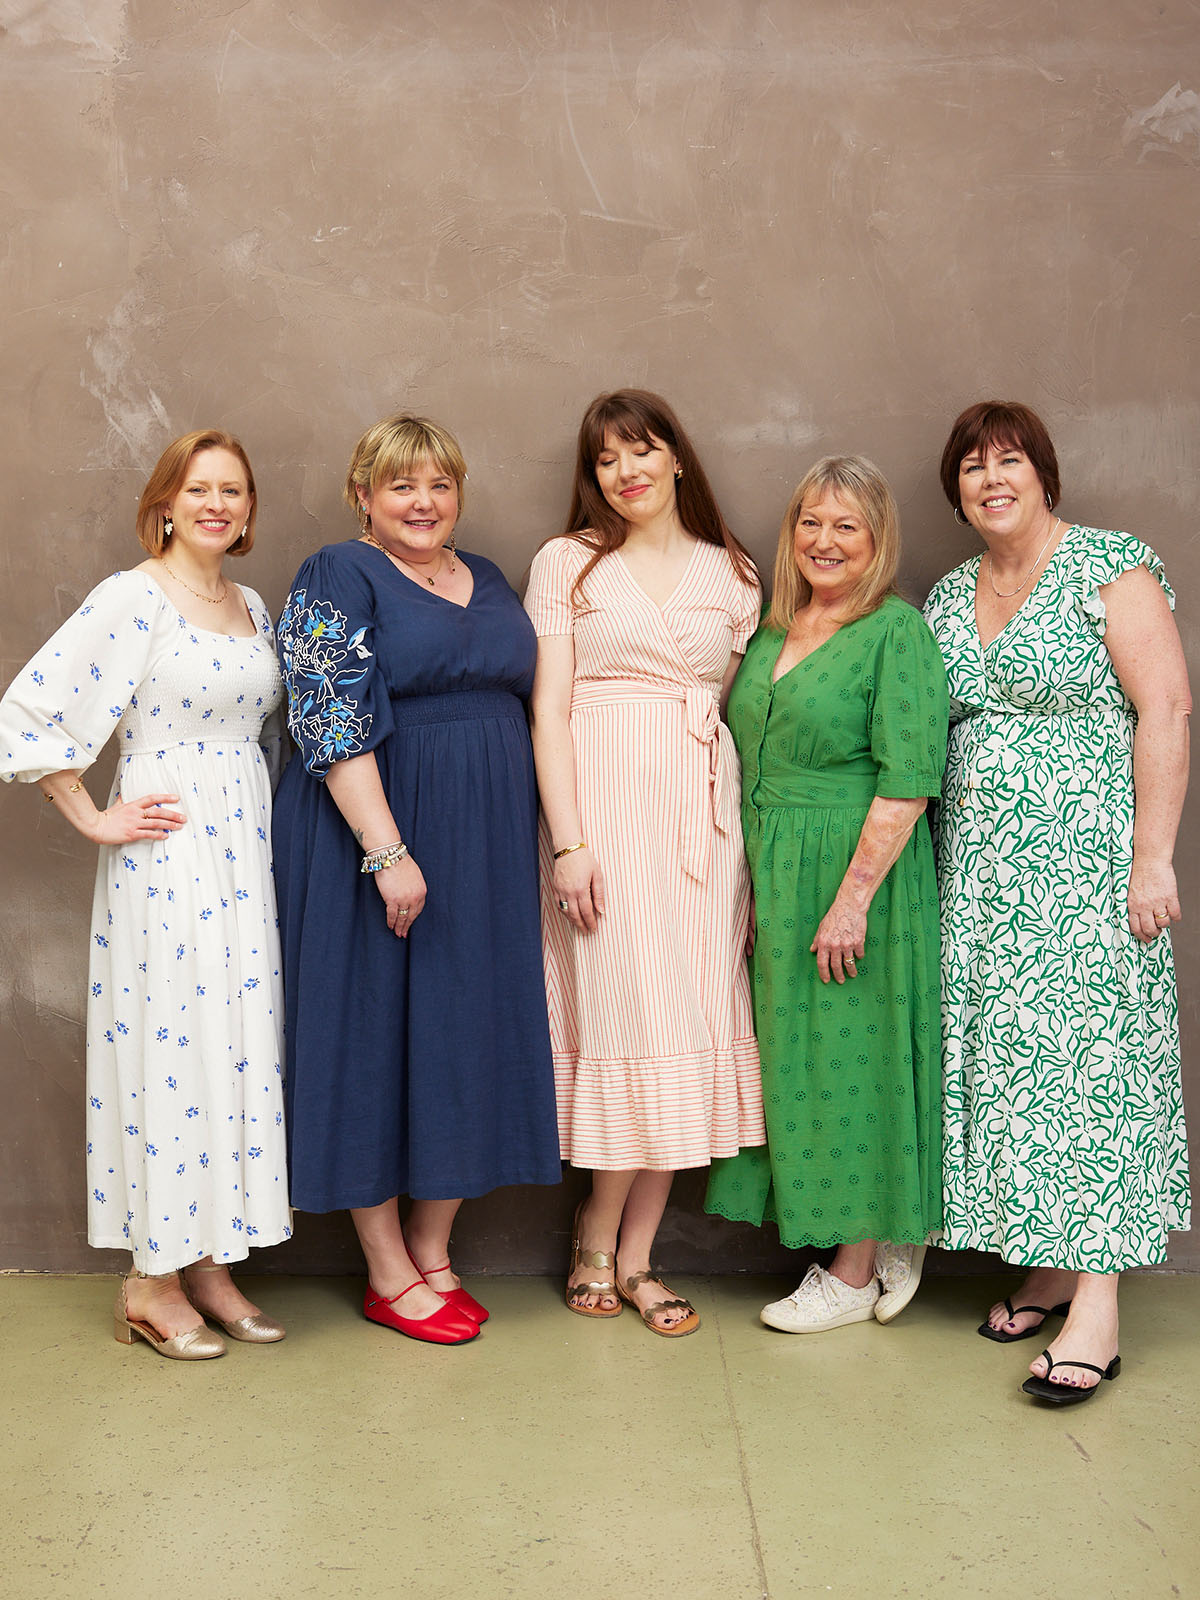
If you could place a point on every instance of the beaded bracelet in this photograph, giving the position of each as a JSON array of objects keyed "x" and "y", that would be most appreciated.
[
  {"x": 387, "y": 855},
  {"x": 570, "y": 849}
]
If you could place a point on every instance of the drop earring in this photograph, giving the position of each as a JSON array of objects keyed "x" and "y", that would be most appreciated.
[
  {"x": 168, "y": 526},
  {"x": 678, "y": 470},
  {"x": 453, "y": 551}
]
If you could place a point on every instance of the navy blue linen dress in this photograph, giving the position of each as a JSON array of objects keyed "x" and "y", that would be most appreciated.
[{"x": 415, "y": 1066}]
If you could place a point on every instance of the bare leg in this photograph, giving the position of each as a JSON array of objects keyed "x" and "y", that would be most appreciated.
[
  {"x": 599, "y": 1224},
  {"x": 216, "y": 1293},
  {"x": 854, "y": 1264},
  {"x": 648, "y": 1196},
  {"x": 427, "y": 1235},
  {"x": 1089, "y": 1333},
  {"x": 161, "y": 1302},
  {"x": 1044, "y": 1286},
  {"x": 390, "y": 1268}
]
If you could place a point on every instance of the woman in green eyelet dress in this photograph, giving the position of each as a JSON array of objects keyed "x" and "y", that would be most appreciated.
[
  {"x": 1065, "y": 1145},
  {"x": 839, "y": 714}
]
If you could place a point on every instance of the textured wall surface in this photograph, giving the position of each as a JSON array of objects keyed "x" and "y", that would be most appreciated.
[{"x": 814, "y": 226}]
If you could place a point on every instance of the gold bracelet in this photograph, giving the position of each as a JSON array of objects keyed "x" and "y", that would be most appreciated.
[
  {"x": 569, "y": 849},
  {"x": 72, "y": 791}
]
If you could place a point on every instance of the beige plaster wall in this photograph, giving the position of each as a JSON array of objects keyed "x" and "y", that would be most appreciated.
[{"x": 814, "y": 226}]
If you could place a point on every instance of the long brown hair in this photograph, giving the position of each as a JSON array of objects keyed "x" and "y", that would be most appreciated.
[
  {"x": 859, "y": 481},
  {"x": 170, "y": 474},
  {"x": 638, "y": 415}
]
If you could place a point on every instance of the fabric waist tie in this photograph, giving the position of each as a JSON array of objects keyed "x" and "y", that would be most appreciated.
[
  {"x": 809, "y": 786},
  {"x": 456, "y": 705},
  {"x": 712, "y": 744}
]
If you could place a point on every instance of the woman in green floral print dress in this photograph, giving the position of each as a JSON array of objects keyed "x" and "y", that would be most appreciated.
[
  {"x": 839, "y": 715},
  {"x": 1064, "y": 1140}
]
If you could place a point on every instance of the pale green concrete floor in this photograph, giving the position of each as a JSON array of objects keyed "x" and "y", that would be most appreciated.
[{"x": 558, "y": 1457}]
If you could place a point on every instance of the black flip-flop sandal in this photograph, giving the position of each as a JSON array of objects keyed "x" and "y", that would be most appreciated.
[
  {"x": 988, "y": 1332},
  {"x": 1064, "y": 1394}
]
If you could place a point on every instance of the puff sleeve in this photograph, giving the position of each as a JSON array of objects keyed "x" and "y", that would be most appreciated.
[{"x": 63, "y": 707}]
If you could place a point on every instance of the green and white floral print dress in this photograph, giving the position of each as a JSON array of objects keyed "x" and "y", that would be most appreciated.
[{"x": 1064, "y": 1141}]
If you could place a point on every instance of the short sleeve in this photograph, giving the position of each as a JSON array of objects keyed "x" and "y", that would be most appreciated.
[
  {"x": 747, "y": 614},
  {"x": 910, "y": 712},
  {"x": 551, "y": 579},
  {"x": 63, "y": 707},
  {"x": 337, "y": 698},
  {"x": 1105, "y": 556}
]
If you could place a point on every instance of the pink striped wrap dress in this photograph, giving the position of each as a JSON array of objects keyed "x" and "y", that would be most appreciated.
[{"x": 651, "y": 1020}]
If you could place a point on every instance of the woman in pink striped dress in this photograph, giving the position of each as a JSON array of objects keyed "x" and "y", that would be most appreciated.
[{"x": 642, "y": 608}]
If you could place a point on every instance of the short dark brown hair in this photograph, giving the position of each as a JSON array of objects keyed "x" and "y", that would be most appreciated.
[
  {"x": 170, "y": 475},
  {"x": 1000, "y": 423}
]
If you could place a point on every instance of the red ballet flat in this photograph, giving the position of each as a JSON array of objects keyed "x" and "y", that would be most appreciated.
[
  {"x": 458, "y": 1298},
  {"x": 447, "y": 1326}
]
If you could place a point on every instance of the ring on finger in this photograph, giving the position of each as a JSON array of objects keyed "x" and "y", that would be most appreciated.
[
  {"x": 403, "y": 911},
  {"x": 562, "y": 906}
]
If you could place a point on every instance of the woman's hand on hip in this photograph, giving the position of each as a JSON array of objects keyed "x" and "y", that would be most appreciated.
[
  {"x": 579, "y": 889},
  {"x": 403, "y": 890},
  {"x": 1153, "y": 899},
  {"x": 131, "y": 821},
  {"x": 840, "y": 941}
]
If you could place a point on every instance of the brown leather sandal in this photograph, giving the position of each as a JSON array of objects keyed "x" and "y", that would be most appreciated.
[
  {"x": 689, "y": 1324},
  {"x": 595, "y": 1261}
]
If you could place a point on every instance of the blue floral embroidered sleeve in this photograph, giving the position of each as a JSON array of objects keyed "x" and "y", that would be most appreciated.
[{"x": 337, "y": 702}]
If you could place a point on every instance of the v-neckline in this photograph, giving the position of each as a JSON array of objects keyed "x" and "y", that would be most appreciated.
[
  {"x": 426, "y": 588},
  {"x": 683, "y": 577},
  {"x": 984, "y": 648}
]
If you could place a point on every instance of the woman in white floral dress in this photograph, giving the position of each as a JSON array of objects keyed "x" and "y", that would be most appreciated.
[
  {"x": 1064, "y": 1140},
  {"x": 186, "y": 1159}
]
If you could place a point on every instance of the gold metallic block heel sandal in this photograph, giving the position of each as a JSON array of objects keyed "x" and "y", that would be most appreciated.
[{"x": 197, "y": 1344}]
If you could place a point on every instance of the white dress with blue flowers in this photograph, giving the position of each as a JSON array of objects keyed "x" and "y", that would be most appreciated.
[{"x": 184, "y": 1052}]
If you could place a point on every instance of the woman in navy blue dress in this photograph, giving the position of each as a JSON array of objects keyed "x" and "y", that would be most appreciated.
[{"x": 405, "y": 838}]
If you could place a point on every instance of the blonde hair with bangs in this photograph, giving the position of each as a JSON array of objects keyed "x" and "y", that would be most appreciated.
[
  {"x": 396, "y": 447},
  {"x": 860, "y": 483}
]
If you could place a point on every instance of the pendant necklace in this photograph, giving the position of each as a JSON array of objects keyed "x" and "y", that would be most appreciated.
[
  {"x": 371, "y": 539},
  {"x": 1007, "y": 594}
]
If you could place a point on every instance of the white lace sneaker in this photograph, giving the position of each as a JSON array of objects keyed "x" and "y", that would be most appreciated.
[
  {"x": 898, "y": 1268},
  {"x": 822, "y": 1301}
]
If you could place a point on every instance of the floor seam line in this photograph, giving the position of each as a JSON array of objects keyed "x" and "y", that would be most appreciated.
[{"x": 743, "y": 1473}]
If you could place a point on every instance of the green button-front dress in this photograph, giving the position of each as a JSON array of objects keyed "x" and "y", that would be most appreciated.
[{"x": 851, "y": 1072}]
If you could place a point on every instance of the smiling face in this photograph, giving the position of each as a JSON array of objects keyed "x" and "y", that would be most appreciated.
[
  {"x": 1001, "y": 494},
  {"x": 637, "y": 476},
  {"x": 212, "y": 504},
  {"x": 413, "y": 514},
  {"x": 832, "y": 545}
]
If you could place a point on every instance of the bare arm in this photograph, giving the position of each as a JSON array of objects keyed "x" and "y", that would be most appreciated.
[
  {"x": 577, "y": 877},
  {"x": 1143, "y": 642},
  {"x": 125, "y": 822},
  {"x": 735, "y": 662},
  {"x": 841, "y": 937},
  {"x": 357, "y": 791}
]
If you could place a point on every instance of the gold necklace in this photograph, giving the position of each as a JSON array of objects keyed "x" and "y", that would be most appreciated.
[
  {"x": 1007, "y": 594},
  {"x": 206, "y": 597},
  {"x": 371, "y": 539}
]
